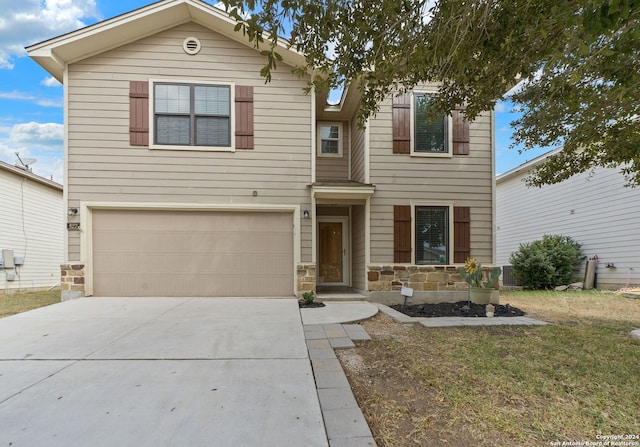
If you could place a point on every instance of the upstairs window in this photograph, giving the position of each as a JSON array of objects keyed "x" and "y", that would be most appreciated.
[
  {"x": 431, "y": 135},
  {"x": 192, "y": 114},
  {"x": 330, "y": 140}
]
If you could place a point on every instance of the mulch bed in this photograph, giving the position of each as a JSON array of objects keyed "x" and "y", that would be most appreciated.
[
  {"x": 302, "y": 305},
  {"x": 459, "y": 309}
]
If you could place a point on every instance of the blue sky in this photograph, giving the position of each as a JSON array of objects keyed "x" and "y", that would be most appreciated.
[{"x": 31, "y": 112}]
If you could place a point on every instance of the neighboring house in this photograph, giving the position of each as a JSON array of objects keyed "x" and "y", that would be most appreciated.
[
  {"x": 31, "y": 230},
  {"x": 195, "y": 178},
  {"x": 595, "y": 209}
]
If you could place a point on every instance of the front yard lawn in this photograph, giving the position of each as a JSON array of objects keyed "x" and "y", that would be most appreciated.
[
  {"x": 517, "y": 386},
  {"x": 21, "y": 302}
]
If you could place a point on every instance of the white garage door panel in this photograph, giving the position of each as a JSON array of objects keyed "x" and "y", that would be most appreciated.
[{"x": 179, "y": 253}]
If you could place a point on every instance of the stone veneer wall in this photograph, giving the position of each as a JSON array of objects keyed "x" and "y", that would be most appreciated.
[
  {"x": 431, "y": 284},
  {"x": 387, "y": 278},
  {"x": 306, "y": 279},
  {"x": 71, "y": 281}
]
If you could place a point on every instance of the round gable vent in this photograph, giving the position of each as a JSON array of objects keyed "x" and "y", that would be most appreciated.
[{"x": 191, "y": 45}]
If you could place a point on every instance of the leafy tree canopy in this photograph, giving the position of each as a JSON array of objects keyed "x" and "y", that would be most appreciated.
[{"x": 580, "y": 62}]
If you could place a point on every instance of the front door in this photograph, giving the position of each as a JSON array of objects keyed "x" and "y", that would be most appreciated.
[{"x": 332, "y": 251}]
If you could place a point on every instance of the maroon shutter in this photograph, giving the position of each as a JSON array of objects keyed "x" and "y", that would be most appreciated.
[
  {"x": 461, "y": 233},
  {"x": 402, "y": 234},
  {"x": 139, "y": 113},
  {"x": 402, "y": 124},
  {"x": 244, "y": 117},
  {"x": 460, "y": 131}
]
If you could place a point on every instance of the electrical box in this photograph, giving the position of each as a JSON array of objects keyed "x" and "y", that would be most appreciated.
[
  {"x": 18, "y": 260},
  {"x": 10, "y": 276},
  {"x": 7, "y": 259}
]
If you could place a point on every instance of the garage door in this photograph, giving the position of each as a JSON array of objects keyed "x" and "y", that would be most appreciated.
[{"x": 184, "y": 253}]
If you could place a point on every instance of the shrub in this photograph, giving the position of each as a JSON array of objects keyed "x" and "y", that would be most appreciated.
[
  {"x": 308, "y": 298},
  {"x": 546, "y": 263}
]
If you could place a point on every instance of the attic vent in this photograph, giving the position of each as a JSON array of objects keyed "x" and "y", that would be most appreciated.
[{"x": 191, "y": 45}]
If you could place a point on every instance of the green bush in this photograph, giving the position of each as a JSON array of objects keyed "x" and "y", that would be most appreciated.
[{"x": 546, "y": 263}]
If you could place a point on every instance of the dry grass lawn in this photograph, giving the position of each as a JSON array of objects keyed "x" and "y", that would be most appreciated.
[
  {"x": 516, "y": 386},
  {"x": 21, "y": 302}
]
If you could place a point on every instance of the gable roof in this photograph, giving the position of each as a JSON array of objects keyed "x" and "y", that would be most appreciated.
[
  {"x": 54, "y": 54},
  {"x": 29, "y": 175}
]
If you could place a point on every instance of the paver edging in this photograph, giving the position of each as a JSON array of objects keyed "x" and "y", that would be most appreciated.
[{"x": 459, "y": 321}]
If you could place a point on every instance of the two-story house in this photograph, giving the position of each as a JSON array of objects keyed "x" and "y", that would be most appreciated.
[{"x": 192, "y": 177}]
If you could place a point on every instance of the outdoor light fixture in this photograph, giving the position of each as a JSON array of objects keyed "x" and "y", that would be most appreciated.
[
  {"x": 305, "y": 214},
  {"x": 73, "y": 211}
]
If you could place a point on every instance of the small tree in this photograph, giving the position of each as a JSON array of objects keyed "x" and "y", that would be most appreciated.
[{"x": 546, "y": 263}]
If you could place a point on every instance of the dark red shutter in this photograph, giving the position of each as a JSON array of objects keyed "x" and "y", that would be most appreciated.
[
  {"x": 139, "y": 113},
  {"x": 244, "y": 117},
  {"x": 461, "y": 233},
  {"x": 460, "y": 131},
  {"x": 402, "y": 234},
  {"x": 402, "y": 124}
]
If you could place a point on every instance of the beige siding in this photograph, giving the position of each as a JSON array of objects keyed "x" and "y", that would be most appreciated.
[
  {"x": 335, "y": 168},
  {"x": 32, "y": 226},
  {"x": 400, "y": 179},
  {"x": 358, "y": 247},
  {"x": 596, "y": 210},
  {"x": 104, "y": 167},
  {"x": 357, "y": 151}
]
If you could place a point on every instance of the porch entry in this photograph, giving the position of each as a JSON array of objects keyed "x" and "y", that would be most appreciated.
[{"x": 333, "y": 258}]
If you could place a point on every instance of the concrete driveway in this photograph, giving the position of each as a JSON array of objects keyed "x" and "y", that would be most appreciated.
[{"x": 158, "y": 372}]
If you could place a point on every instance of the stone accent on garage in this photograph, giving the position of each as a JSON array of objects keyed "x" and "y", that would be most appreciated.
[
  {"x": 71, "y": 281},
  {"x": 306, "y": 278}
]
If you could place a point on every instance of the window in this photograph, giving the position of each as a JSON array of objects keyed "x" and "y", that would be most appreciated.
[
  {"x": 432, "y": 235},
  {"x": 430, "y": 134},
  {"x": 192, "y": 114},
  {"x": 330, "y": 140}
]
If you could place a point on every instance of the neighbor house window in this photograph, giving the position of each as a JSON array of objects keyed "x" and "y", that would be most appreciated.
[
  {"x": 432, "y": 235},
  {"x": 330, "y": 140},
  {"x": 192, "y": 114},
  {"x": 431, "y": 135}
]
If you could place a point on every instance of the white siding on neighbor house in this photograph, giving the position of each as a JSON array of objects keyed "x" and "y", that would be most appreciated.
[
  {"x": 464, "y": 180},
  {"x": 595, "y": 210},
  {"x": 31, "y": 226},
  {"x": 104, "y": 167}
]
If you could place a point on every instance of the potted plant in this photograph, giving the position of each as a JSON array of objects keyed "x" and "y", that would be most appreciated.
[{"x": 481, "y": 290}]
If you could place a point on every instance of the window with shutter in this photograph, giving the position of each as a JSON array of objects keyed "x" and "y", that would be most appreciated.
[
  {"x": 190, "y": 116},
  {"x": 418, "y": 133},
  {"x": 432, "y": 234}
]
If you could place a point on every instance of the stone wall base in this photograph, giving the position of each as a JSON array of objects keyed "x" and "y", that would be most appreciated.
[
  {"x": 430, "y": 284},
  {"x": 71, "y": 281},
  {"x": 306, "y": 278}
]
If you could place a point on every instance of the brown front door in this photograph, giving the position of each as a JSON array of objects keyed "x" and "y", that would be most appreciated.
[{"x": 330, "y": 254}]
